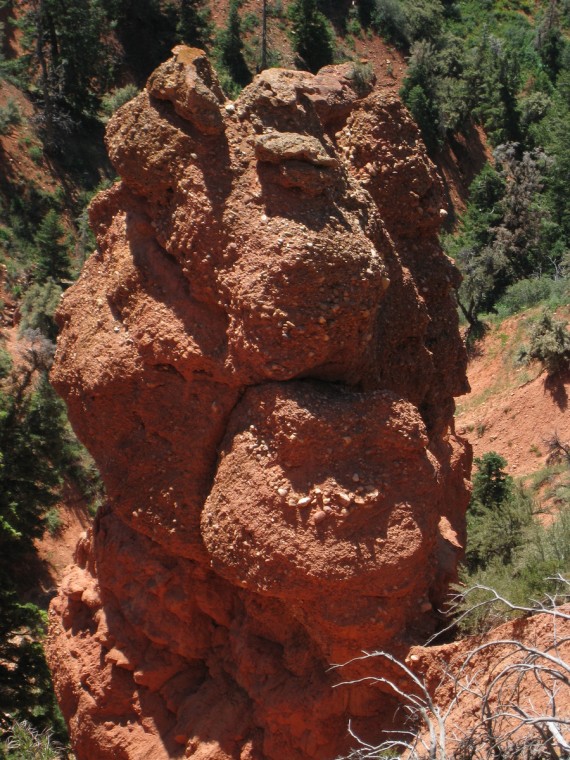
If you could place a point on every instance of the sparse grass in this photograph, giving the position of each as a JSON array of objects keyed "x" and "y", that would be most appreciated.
[
  {"x": 26, "y": 743},
  {"x": 524, "y": 378},
  {"x": 116, "y": 98},
  {"x": 511, "y": 345},
  {"x": 10, "y": 116},
  {"x": 36, "y": 154},
  {"x": 54, "y": 523},
  {"x": 547, "y": 475},
  {"x": 362, "y": 77},
  {"x": 250, "y": 22}
]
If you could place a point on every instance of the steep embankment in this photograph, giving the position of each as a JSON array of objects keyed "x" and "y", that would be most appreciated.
[
  {"x": 513, "y": 408},
  {"x": 262, "y": 358}
]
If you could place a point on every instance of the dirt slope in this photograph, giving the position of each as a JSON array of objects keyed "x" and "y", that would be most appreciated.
[{"x": 512, "y": 409}]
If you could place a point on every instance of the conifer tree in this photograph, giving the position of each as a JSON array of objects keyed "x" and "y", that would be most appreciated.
[
  {"x": 194, "y": 25},
  {"x": 549, "y": 41},
  {"x": 35, "y": 449},
  {"x": 231, "y": 47},
  {"x": 67, "y": 39},
  {"x": 311, "y": 33},
  {"x": 53, "y": 258}
]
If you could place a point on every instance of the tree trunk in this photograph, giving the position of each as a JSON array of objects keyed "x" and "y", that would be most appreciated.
[
  {"x": 264, "y": 36},
  {"x": 48, "y": 105}
]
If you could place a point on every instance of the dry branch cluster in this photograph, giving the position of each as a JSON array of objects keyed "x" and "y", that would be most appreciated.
[{"x": 513, "y": 698}]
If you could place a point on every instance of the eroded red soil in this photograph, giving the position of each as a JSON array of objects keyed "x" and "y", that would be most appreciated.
[{"x": 513, "y": 409}]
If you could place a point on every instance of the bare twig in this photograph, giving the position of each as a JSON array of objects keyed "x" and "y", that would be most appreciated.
[{"x": 509, "y": 721}]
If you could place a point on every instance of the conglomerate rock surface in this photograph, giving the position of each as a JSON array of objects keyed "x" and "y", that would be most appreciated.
[{"x": 262, "y": 357}]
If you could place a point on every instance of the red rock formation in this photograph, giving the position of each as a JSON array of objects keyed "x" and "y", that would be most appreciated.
[{"x": 262, "y": 358}]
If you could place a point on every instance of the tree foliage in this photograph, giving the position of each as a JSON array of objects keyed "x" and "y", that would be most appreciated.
[
  {"x": 71, "y": 61},
  {"x": 509, "y": 548},
  {"x": 405, "y": 21},
  {"x": 35, "y": 449},
  {"x": 506, "y": 234},
  {"x": 497, "y": 515},
  {"x": 420, "y": 92},
  {"x": 194, "y": 26},
  {"x": 53, "y": 255},
  {"x": 549, "y": 40},
  {"x": 230, "y": 47},
  {"x": 550, "y": 344},
  {"x": 311, "y": 33}
]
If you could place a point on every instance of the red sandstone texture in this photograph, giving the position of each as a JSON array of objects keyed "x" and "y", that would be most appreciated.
[{"x": 262, "y": 357}]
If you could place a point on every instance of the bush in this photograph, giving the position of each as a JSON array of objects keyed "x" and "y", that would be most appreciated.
[
  {"x": 523, "y": 295},
  {"x": 362, "y": 77},
  {"x": 5, "y": 363},
  {"x": 491, "y": 685},
  {"x": 116, "y": 98},
  {"x": 419, "y": 93},
  {"x": 550, "y": 344},
  {"x": 405, "y": 21},
  {"x": 36, "y": 153},
  {"x": 496, "y": 531},
  {"x": 389, "y": 18},
  {"x": 37, "y": 451},
  {"x": 54, "y": 522},
  {"x": 544, "y": 554},
  {"x": 26, "y": 743},
  {"x": 38, "y": 308},
  {"x": 353, "y": 22},
  {"x": 10, "y": 116},
  {"x": 508, "y": 549}
]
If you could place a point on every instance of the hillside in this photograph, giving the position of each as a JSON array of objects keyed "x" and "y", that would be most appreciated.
[{"x": 513, "y": 408}]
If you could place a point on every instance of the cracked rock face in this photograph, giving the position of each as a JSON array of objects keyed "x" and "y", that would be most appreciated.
[{"x": 262, "y": 358}]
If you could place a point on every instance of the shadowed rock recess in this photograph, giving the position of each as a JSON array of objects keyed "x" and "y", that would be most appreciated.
[{"x": 262, "y": 357}]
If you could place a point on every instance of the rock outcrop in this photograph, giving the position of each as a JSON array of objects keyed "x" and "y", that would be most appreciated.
[{"x": 262, "y": 357}]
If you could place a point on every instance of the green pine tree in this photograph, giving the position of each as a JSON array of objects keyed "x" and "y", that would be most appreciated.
[
  {"x": 230, "y": 45},
  {"x": 312, "y": 37},
  {"x": 34, "y": 450},
  {"x": 194, "y": 26},
  {"x": 53, "y": 257}
]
